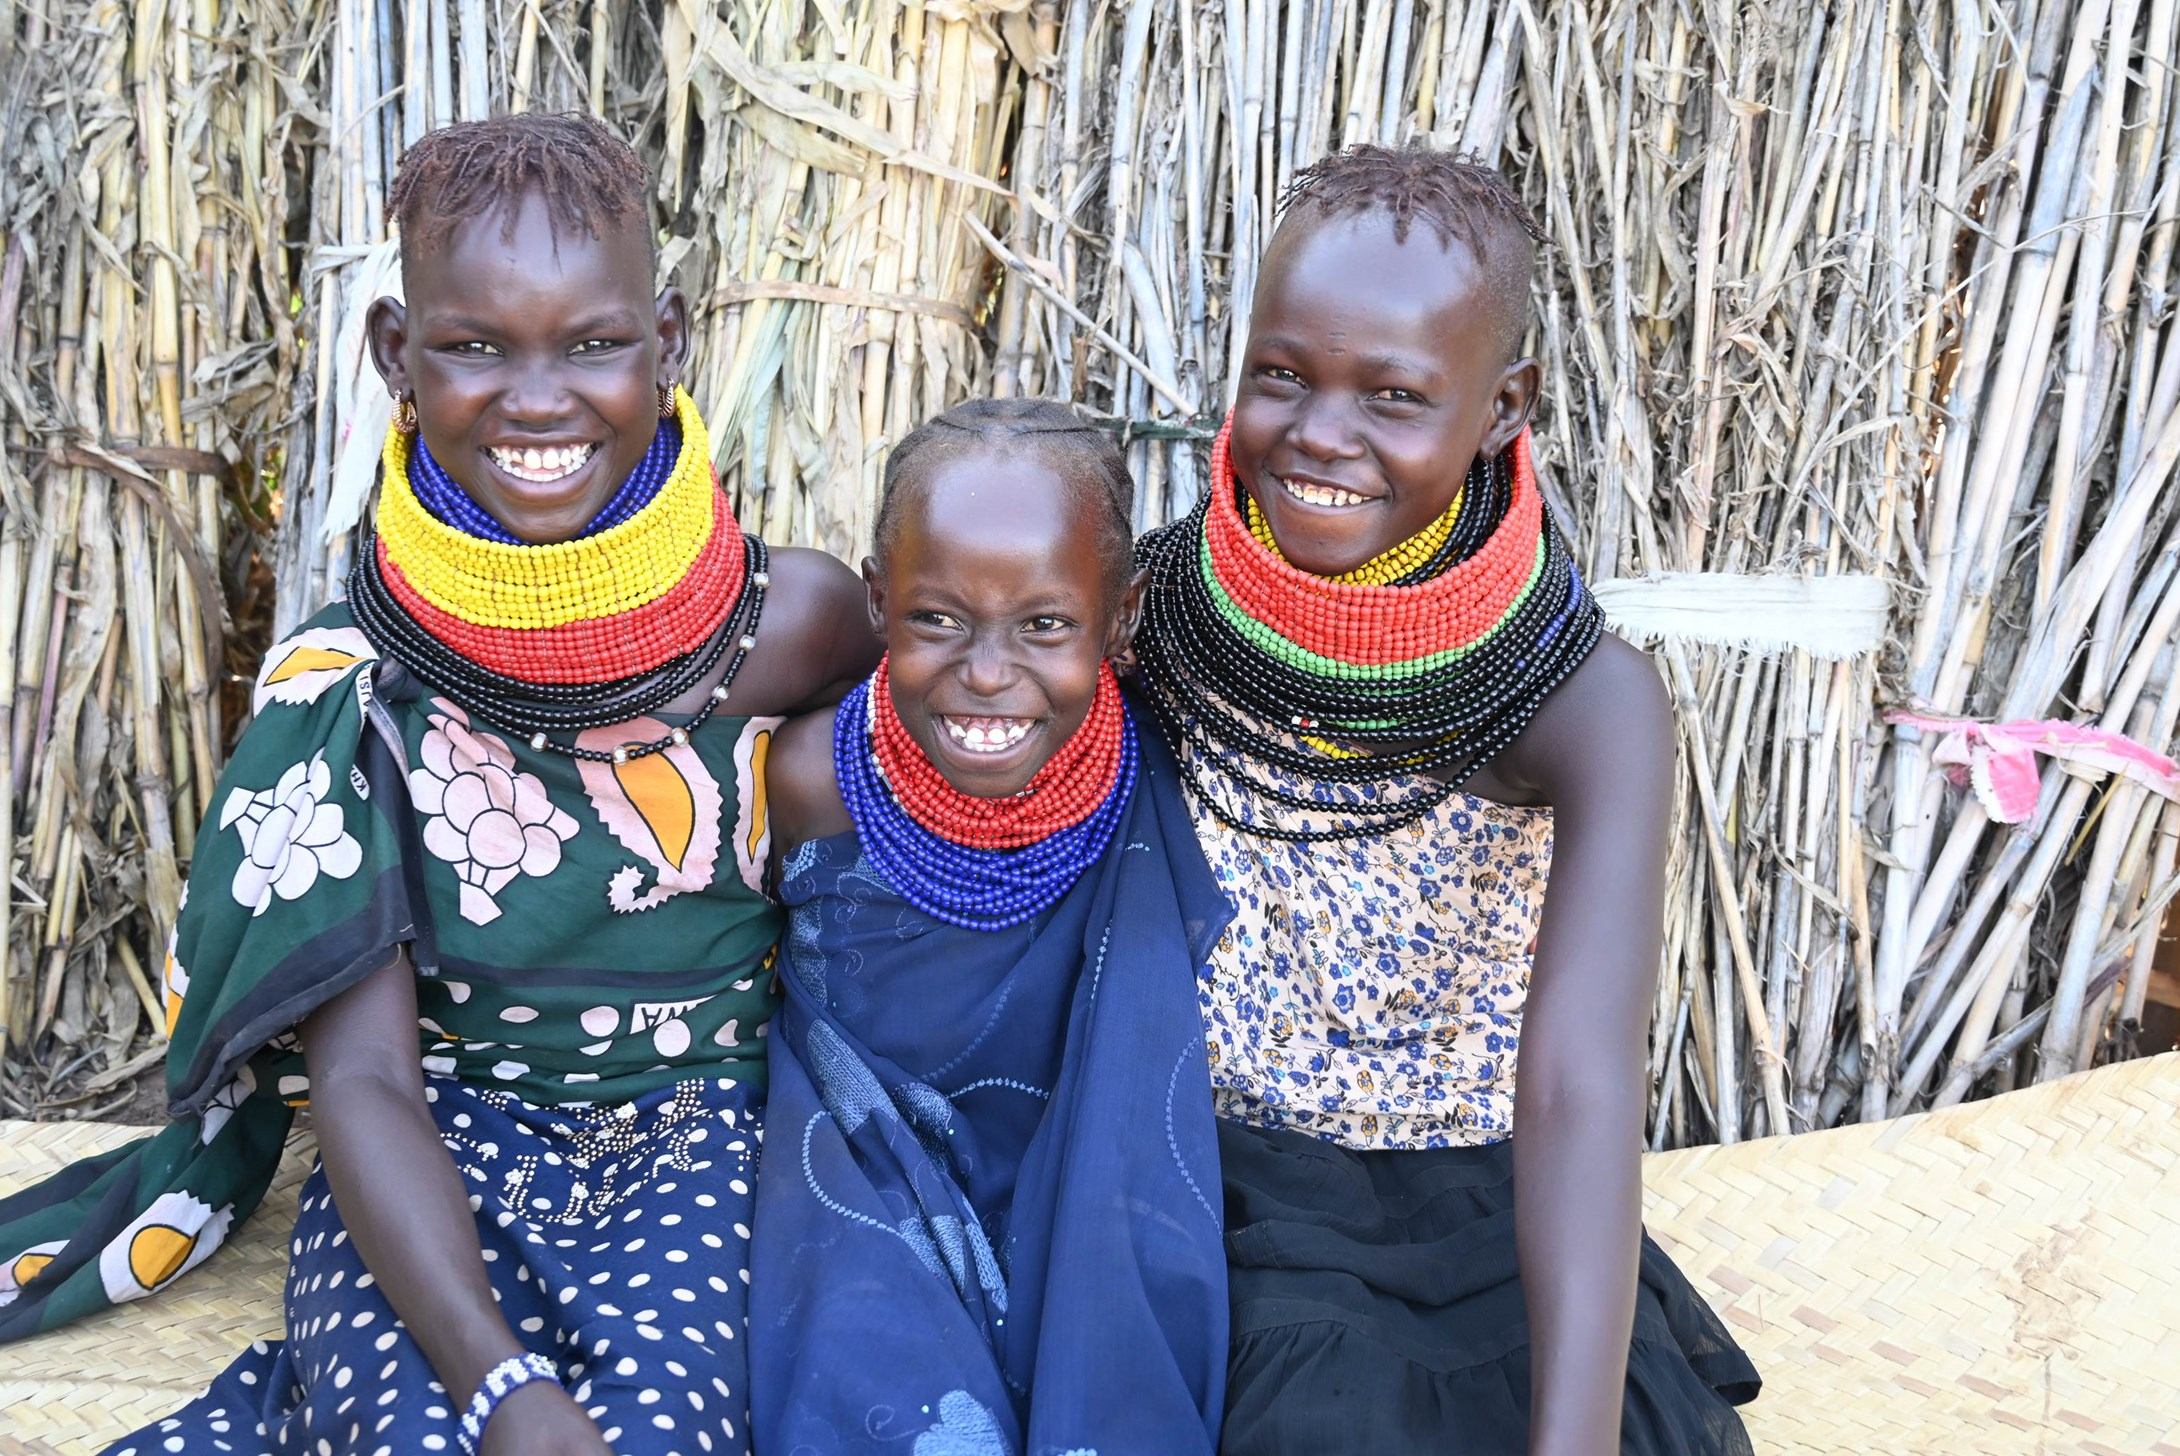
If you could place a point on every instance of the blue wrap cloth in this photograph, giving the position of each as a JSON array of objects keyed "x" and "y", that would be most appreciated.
[{"x": 988, "y": 1222}]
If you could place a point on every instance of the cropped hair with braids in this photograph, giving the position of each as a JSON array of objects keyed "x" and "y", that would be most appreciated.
[
  {"x": 1080, "y": 453},
  {"x": 1466, "y": 200},
  {"x": 588, "y": 178}
]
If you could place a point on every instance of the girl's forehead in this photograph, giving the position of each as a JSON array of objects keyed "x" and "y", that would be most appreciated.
[
  {"x": 975, "y": 506},
  {"x": 527, "y": 238},
  {"x": 1353, "y": 274},
  {"x": 1359, "y": 262},
  {"x": 983, "y": 494}
]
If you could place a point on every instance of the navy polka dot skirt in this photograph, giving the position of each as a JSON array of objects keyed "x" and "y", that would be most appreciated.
[{"x": 616, "y": 1239}]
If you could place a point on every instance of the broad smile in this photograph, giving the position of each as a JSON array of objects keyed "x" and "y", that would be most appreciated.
[
  {"x": 985, "y": 735},
  {"x": 1318, "y": 493},
  {"x": 541, "y": 465}
]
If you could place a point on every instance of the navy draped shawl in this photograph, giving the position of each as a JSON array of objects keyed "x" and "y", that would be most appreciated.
[{"x": 988, "y": 1222}]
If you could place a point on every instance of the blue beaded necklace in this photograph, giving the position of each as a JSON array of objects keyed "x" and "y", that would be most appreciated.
[
  {"x": 977, "y": 889},
  {"x": 443, "y": 496}
]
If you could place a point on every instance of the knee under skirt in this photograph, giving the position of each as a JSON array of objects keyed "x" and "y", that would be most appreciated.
[
  {"x": 1377, "y": 1307},
  {"x": 616, "y": 1239}
]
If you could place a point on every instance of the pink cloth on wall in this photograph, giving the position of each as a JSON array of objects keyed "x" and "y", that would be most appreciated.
[{"x": 1998, "y": 760}]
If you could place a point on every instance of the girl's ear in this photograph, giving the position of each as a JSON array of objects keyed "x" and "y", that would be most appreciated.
[
  {"x": 1511, "y": 405},
  {"x": 1127, "y": 617},
  {"x": 874, "y": 584},
  {"x": 672, "y": 318},
  {"x": 386, "y": 331}
]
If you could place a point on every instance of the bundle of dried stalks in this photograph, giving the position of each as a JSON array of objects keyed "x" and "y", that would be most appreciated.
[
  {"x": 147, "y": 355},
  {"x": 1836, "y": 288}
]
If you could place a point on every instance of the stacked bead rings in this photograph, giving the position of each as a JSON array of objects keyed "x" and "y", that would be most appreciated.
[
  {"x": 1364, "y": 688},
  {"x": 492, "y": 584},
  {"x": 984, "y": 864},
  {"x": 536, "y": 639},
  {"x": 443, "y": 496}
]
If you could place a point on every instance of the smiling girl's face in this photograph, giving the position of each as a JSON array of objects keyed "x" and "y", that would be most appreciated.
[
  {"x": 1374, "y": 376},
  {"x": 534, "y": 358},
  {"x": 997, "y": 604}
]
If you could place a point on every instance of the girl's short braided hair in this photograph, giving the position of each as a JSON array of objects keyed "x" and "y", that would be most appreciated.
[
  {"x": 587, "y": 176},
  {"x": 1086, "y": 457},
  {"x": 1466, "y": 200}
]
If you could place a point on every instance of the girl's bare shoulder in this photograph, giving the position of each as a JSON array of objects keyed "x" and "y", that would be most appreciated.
[
  {"x": 801, "y": 793},
  {"x": 814, "y": 640},
  {"x": 1606, "y": 730}
]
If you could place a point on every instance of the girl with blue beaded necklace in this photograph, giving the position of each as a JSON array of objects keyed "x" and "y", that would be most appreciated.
[{"x": 991, "y": 1145}]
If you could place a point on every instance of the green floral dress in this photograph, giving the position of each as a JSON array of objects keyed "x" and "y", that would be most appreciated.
[{"x": 594, "y": 981}]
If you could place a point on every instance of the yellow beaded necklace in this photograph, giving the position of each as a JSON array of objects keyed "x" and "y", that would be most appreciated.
[
  {"x": 1382, "y": 570},
  {"x": 496, "y": 585}
]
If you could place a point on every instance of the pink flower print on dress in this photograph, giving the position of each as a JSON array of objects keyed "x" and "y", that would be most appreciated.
[{"x": 485, "y": 817}]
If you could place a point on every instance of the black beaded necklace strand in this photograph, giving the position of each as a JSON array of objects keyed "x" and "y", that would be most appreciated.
[{"x": 531, "y": 710}]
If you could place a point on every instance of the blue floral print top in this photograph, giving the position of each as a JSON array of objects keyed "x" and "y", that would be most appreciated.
[{"x": 1370, "y": 991}]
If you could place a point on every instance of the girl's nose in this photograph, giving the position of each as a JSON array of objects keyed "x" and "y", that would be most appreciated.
[
  {"x": 986, "y": 669},
  {"x": 1324, "y": 428},
  {"x": 535, "y": 395}
]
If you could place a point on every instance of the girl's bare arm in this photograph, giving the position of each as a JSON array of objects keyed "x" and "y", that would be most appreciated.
[
  {"x": 403, "y": 1203},
  {"x": 1600, "y": 752}
]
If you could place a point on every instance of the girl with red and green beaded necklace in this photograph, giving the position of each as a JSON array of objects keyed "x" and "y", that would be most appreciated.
[
  {"x": 483, "y": 882},
  {"x": 1437, "y": 795}
]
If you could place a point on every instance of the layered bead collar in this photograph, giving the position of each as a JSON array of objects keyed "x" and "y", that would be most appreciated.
[
  {"x": 1390, "y": 690},
  {"x": 580, "y": 634},
  {"x": 984, "y": 864}
]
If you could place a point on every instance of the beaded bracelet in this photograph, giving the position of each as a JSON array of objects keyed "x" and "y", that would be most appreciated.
[{"x": 509, "y": 1375}]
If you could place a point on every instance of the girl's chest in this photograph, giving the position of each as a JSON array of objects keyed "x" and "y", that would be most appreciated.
[
  {"x": 1432, "y": 921},
  {"x": 535, "y": 858}
]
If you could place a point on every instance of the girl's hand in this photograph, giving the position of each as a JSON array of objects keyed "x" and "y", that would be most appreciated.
[{"x": 541, "y": 1419}]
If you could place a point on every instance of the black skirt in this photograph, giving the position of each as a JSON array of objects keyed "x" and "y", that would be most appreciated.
[{"x": 1377, "y": 1307}]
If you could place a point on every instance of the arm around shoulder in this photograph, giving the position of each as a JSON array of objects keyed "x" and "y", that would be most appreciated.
[{"x": 820, "y": 604}]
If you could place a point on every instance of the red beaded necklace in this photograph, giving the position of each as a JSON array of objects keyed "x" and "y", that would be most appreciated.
[
  {"x": 1065, "y": 792},
  {"x": 1376, "y": 625},
  {"x": 596, "y": 649}
]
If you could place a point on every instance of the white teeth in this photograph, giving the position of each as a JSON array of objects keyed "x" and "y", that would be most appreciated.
[
  {"x": 542, "y": 465},
  {"x": 990, "y": 735},
  {"x": 1320, "y": 495}
]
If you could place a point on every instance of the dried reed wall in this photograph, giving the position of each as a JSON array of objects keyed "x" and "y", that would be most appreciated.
[{"x": 1836, "y": 286}]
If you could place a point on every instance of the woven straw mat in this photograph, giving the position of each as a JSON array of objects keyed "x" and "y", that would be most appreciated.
[{"x": 1987, "y": 1280}]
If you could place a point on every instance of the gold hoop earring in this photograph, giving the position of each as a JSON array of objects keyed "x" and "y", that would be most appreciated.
[
  {"x": 404, "y": 414},
  {"x": 666, "y": 401}
]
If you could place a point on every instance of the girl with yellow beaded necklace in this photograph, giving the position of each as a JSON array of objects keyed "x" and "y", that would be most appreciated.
[{"x": 482, "y": 881}]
